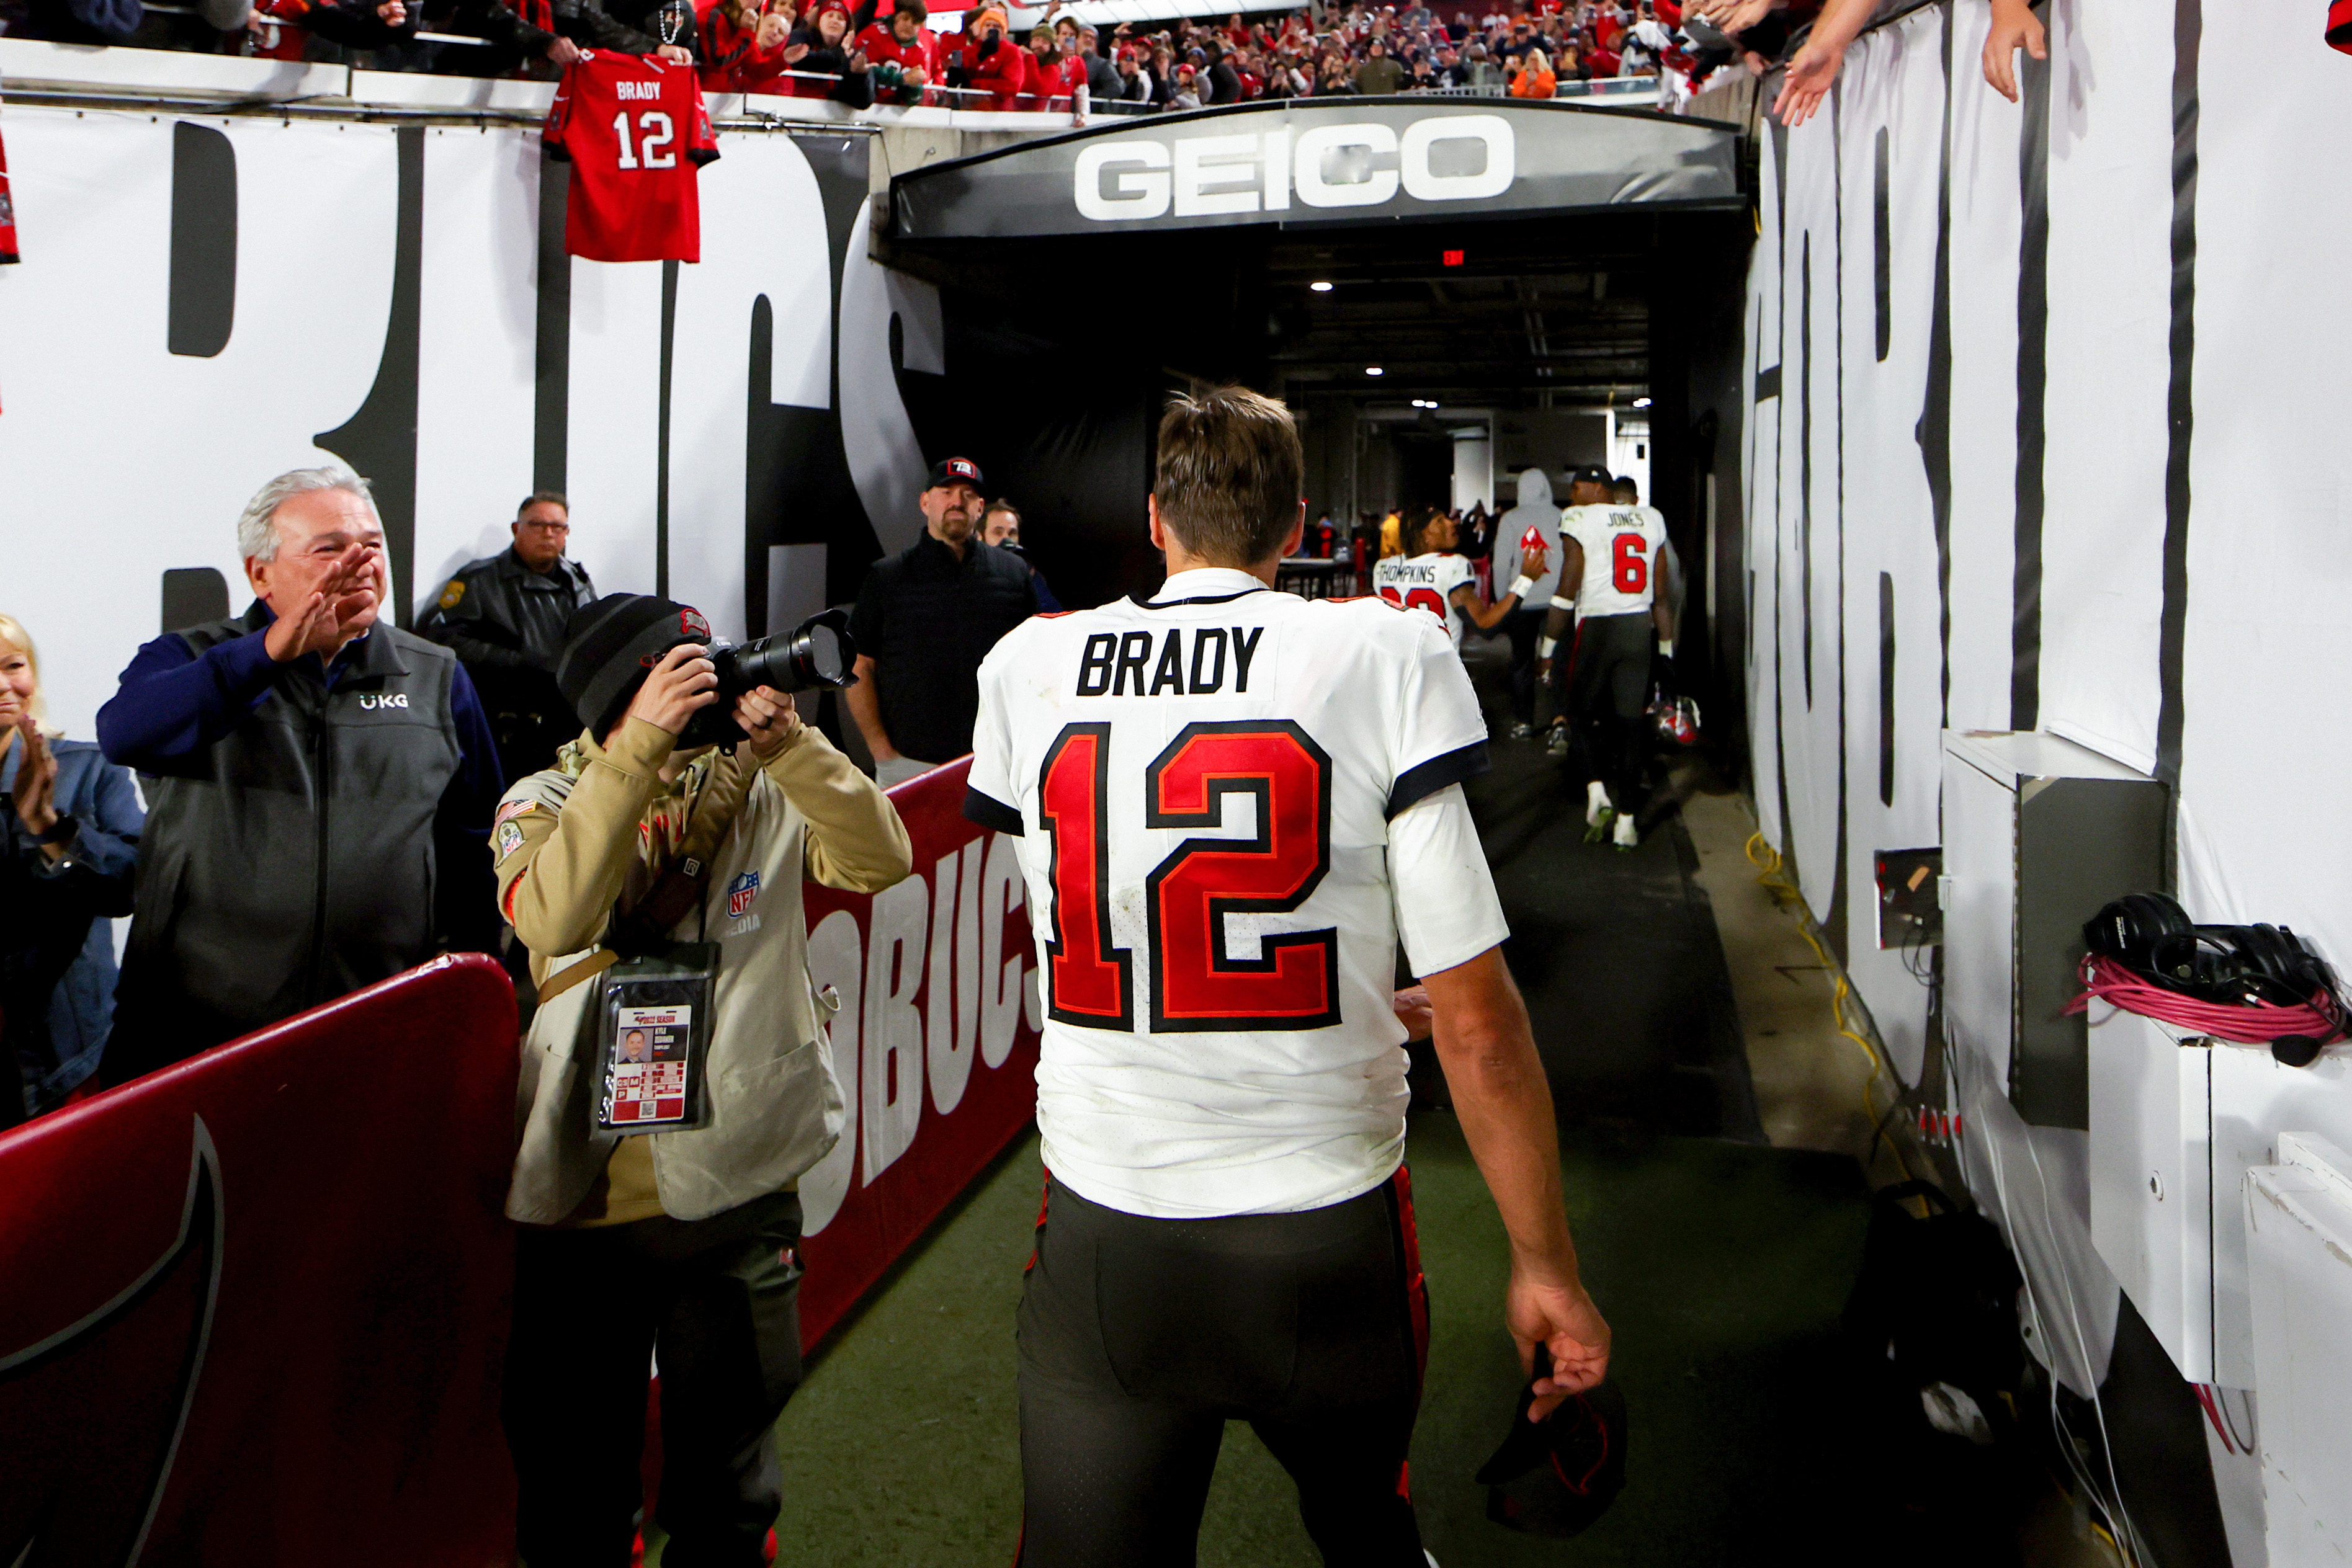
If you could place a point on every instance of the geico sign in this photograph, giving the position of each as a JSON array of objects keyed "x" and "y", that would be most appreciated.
[{"x": 1353, "y": 165}]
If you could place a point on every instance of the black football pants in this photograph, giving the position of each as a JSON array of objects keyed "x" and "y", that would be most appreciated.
[
  {"x": 1140, "y": 1338},
  {"x": 718, "y": 1299},
  {"x": 1606, "y": 682}
]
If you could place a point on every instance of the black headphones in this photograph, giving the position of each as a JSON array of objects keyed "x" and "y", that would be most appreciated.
[{"x": 2234, "y": 965}]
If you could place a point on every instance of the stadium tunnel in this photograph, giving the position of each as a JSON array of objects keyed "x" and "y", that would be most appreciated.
[{"x": 1564, "y": 289}]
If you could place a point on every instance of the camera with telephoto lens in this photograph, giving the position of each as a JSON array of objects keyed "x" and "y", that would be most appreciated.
[{"x": 816, "y": 654}]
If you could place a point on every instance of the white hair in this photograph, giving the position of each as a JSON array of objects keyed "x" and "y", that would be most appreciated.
[{"x": 256, "y": 526}]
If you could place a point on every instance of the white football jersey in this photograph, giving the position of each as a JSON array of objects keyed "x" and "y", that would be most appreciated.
[
  {"x": 1621, "y": 557},
  {"x": 1426, "y": 582},
  {"x": 1233, "y": 804}
]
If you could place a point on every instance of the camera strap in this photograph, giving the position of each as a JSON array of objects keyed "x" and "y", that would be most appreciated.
[{"x": 679, "y": 886}]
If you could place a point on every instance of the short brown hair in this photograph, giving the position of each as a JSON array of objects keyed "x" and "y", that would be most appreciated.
[
  {"x": 1230, "y": 474},
  {"x": 552, "y": 498}
]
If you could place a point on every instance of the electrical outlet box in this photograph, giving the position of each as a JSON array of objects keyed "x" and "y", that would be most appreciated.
[{"x": 1910, "y": 897}]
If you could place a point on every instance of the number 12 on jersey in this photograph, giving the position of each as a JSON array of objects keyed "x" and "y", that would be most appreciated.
[
  {"x": 1190, "y": 898},
  {"x": 659, "y": 132}
]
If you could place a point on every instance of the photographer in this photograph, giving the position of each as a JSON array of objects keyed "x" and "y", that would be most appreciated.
[{"x": 643, "y": 836}]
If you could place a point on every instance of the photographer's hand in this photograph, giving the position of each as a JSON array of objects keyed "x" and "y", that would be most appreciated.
[
  {"x": 767, "y": 718},
  {"x": 682, "y": 684}
]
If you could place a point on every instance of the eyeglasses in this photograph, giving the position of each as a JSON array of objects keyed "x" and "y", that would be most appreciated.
[{"x": 546, "y": 528}]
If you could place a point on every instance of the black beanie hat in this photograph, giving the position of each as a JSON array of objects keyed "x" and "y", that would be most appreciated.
[{"x": 609, "y": 645}]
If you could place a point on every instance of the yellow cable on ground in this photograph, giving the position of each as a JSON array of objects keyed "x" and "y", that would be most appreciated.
[{"x": 1784, "y": 892}]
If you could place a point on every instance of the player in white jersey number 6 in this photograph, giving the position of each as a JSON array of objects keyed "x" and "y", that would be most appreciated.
[{"x": 1232, "y": 805}]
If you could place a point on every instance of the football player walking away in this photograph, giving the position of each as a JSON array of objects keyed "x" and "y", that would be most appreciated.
[
  {"x": 1233, "y": 804},
  {"x": 1611, "y": 557},
  {"x": 1432, "y": 576}
]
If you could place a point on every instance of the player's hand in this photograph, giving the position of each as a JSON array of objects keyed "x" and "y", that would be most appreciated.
[
  {"x": 675, "y": 54},
  {"x": 1563, "y": 1320},
  {"x": 563, "y": 52},
  {"x": 1535, "y": 561},
  {"x": 683, "y": 684},
  {"x": 1413, "y": 1010},
  {"x": 37, "y": 777},
  {"x": 392, "y": 13},
  {"x": 1808, "y": 80},
  {"x": 2013, "y": 26},
  {"x": 767, "y": 717}
]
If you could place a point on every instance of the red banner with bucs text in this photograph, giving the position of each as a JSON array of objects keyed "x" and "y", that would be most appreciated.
[
  {"x": 253, "y": 1308},
  {"x": 935, "y": 1041}
]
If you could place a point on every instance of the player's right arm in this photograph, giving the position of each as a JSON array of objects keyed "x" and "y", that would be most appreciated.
[{"x": 1498, "y": 1088}]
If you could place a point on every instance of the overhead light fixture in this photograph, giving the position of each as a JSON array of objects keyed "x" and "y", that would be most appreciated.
[
  {"x": 1641, "y": 403},
  {"x": 1424, "y": 403},
  {"x": 1374, "y": 371},
  {"x": 1321, "y": 286}
]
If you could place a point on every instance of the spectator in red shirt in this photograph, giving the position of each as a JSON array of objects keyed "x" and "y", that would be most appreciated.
[
  {"x": 746, "y": 47},
  {"x": 826, "y": 35},
  {"x": 902, "y": 55},
  {"x": 986, "y": 59}
]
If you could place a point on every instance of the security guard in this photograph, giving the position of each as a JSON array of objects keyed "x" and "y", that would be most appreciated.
[{"x": 504, "y": 617}]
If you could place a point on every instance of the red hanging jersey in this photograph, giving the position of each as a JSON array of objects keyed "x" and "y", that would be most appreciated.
[
  {"x": 633, "y": 129},
  {"x": 7, "y": 212}
]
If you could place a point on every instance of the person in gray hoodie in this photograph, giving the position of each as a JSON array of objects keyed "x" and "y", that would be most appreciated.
[{"x": 1524, "y": 625}]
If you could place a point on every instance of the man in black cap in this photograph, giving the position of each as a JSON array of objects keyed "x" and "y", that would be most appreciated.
[{"x": 925, "y": 619}]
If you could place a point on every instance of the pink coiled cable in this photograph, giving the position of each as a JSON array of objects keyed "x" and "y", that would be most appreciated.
[{"x": 2251, "y": 1023}]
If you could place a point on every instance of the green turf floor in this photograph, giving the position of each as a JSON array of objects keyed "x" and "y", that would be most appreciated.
[{"x": 1721, "y": 1266}]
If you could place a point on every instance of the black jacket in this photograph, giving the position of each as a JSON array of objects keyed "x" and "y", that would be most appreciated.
[
  {"x": 293, "y": 858},
  {"x": 927, "y": 620},
  {"x": 505, "y": 623},
  {"x": 496, "y": 613}
]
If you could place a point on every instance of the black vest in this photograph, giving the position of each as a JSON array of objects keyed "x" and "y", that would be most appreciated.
[{"x": 291, "y": 861}]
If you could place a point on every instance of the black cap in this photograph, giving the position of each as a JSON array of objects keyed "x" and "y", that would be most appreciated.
[
  {"x": 1590, "y": 474},
  {"x": 955, "y": 471},
  {"x": 1556, "y": 1476},
  {"x": 609, "y": 645}
]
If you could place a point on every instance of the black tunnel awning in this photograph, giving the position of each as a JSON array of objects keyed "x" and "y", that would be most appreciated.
[{"x": 1320, "y": 162}]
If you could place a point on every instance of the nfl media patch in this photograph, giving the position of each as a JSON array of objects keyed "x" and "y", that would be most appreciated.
[
  {"x": 510, "y": 839},
  {"x": 454, "y": 593},
  {"x": 740, "y": 893}
]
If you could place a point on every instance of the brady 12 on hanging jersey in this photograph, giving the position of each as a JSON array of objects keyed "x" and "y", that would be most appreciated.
[
  {"x": 1233, "y": 804},
  {"x": 1426, "y": 582},
  {"x": 1621, "y": 544},
  {"x": 633, "y": 129}
]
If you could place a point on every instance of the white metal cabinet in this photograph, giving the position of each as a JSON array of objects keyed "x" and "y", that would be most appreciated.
[
  {"x": 2039, "y": 833},
  {"x": 2176, "y": 1121},
  {"x": 2298, "y": 1219},
  {"x": 2152, "y": 1179}
]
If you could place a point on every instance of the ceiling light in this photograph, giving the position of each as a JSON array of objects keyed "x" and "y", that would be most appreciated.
[
  {"x": 1373, "y": 371},
  {"x": 1641, "y": 403},
  {"x": 1319, "y": 286}
]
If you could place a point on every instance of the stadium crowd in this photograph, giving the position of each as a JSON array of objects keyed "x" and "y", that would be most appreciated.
[{"x": 860, "y": 54}]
